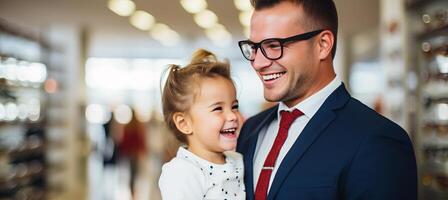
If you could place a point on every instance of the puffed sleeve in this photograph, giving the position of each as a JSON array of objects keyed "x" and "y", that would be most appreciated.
[{"x": 181, "y": 180}]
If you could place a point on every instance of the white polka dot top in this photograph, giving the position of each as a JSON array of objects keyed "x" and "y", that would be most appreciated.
[{"x": 189, "y": 177}]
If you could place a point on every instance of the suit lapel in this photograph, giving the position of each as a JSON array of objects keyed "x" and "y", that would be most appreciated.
[
  {"x": 252, "y": 143},
  {"x": 323, "y": 117}
]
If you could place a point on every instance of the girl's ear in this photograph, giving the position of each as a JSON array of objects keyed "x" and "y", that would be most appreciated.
[{"x": 183, "y": 123}]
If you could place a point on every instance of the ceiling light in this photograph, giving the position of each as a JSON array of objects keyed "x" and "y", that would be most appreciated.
[
  {"x": 97, "y": 114},
  {"x": 157, "y": 32},
  {"x": 219, "y": 35},
  {"x": 123, "y": 114},
  {"x": 243, "y": 5},
  {"x": 122, "y": 7},
  {"x": 165, "y": 35},
  {"x": 194, "y": 6},
  {"x": 142, "y": 20},
  {"x": 173, "y": 41},
  {"x": 247, "y": 31},
  {"x": 245, "y": 17},
  {"x": 216, "y": 32},
  {"x": 206, "y": 19}
]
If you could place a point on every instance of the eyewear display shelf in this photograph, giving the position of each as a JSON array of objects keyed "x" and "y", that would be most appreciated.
[
  {"x": 22, "y": 122},
  {"x": 428, "y": 50}
]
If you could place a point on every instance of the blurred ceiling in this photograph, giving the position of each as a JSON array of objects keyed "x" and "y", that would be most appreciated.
[{"x": 109, "y": 31}]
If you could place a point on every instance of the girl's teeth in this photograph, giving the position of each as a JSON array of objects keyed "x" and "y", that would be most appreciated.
[
  {"x": 229, "y": 130},
  {"x": 271, "y": 76}
]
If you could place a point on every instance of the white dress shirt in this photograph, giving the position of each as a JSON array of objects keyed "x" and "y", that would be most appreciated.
[
  {"x": 267, "y": 135},
  {"x": 189, "y": 177}
]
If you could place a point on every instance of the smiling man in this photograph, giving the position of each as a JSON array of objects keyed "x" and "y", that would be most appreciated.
[{"x": 319, "y": 142}]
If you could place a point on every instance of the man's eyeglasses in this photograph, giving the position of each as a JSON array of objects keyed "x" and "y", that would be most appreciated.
[{"x": 272, "y": 48}]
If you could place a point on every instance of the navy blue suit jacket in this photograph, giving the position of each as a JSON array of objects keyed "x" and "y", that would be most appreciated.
[{"x": 346, "y": 151}]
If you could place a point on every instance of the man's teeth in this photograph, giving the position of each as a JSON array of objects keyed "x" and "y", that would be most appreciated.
[{"x": 272, "y": 76}]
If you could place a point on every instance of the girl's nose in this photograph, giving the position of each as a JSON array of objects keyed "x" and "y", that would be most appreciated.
[{"x": 232, "y": 116}]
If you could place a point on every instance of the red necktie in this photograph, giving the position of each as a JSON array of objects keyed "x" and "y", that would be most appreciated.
[{"x": 286, "y": 120}]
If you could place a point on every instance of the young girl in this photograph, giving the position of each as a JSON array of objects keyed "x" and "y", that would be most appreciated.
[{"x": 200, "y": 107}]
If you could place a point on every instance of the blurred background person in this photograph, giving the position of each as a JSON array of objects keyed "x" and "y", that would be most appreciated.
[{"x": 132, "y": 149}]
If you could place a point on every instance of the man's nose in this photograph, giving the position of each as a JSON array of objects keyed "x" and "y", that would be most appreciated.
[{"x": 260, "y": 61}]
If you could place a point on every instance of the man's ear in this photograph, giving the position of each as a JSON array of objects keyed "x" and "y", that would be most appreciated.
[
  {"x": 183, "y": 123},
  {"x": 326, "y": 43}
]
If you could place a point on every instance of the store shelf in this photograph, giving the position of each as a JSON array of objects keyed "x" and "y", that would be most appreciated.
[
  {"x": 442, "y": 128},
  {"x": 436, "y": 77},
  {"x": 23, "y": 151},
  {"x": 437, "y": 100},
  {"x": 417, "y": 4},
  {"x": 428, "y": 52},
  {"x": 12, "y": 29},
  {"x": 439, "y": 31}
]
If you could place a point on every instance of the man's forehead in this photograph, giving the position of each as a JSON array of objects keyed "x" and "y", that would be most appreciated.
[{"x": 267, "y": 24}]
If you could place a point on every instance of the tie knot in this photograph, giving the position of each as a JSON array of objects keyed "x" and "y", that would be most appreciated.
[{"x": 288, "y": 117}]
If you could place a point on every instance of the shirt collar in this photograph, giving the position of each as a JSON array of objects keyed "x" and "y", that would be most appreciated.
[
  {"x": 310, "y": 105},
  {"x": 184, "y": 153}
]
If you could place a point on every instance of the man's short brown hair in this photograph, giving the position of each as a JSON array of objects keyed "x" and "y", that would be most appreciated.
[{"x": 322, "y": 13}]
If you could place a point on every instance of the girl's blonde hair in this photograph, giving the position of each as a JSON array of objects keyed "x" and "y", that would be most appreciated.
[{"x": 181, "y": 85}]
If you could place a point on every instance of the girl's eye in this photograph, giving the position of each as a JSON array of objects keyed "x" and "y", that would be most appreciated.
[
  {"x": 235, "y": 106},
  {"x": 217, "y": 109}
]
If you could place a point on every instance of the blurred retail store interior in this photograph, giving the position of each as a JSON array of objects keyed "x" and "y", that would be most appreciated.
[{"x": 80, "y": 108}]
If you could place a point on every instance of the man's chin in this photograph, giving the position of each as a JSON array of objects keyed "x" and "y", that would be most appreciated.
[{"x": 271, "y": 96}]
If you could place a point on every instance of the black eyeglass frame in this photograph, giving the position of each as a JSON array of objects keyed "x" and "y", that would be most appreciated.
[{"x": 282, "y": 41}]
